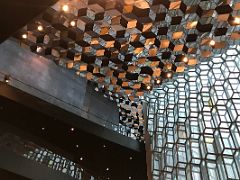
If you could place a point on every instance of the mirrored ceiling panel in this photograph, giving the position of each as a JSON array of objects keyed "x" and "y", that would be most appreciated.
[{"x": 130, "y": 46}]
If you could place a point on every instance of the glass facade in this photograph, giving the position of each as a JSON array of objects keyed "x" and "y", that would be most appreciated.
[
  {"x": 194, "y": 122},
  {"x": 129, "y": 47}
]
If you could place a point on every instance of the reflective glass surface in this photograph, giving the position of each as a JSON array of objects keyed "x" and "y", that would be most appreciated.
[{"x": 194, "y": 122}]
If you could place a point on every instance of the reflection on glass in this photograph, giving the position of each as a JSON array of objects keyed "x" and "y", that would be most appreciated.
[{"x": 195, "y": 122}]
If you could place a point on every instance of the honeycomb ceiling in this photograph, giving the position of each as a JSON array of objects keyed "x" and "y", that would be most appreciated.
[{"x": 129, "y": 46}]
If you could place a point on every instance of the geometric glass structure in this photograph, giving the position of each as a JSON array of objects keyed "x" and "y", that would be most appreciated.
[
  {"x": 194, "y": 122},
  {"x": 129, "y": 47}
]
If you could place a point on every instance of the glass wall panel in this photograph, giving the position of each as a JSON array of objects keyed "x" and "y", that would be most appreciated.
[{"x": 194, "y": 122}]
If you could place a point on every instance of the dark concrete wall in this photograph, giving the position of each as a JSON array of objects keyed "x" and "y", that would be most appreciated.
[
  {"x": 5, "y": 174},
  {"x": 44, "y": 79}
]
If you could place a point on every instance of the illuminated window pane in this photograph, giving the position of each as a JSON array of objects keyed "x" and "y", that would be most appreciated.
[{"x": 198, "y": 115}]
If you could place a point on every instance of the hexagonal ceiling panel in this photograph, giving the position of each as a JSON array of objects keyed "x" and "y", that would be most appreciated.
[{"x": 128, "y": 46}]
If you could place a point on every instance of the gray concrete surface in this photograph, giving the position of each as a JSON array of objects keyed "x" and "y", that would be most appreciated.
[{"x": 42, "y": 78}]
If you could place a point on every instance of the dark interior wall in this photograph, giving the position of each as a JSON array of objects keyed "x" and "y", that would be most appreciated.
[
  {"x": 56, "y": 114},
  {"x": 57, "y": 85},
  {"x": 101, "y": 106},
  {"x": 57, "y": 137},
  {"x": 7, "y": 175}
]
